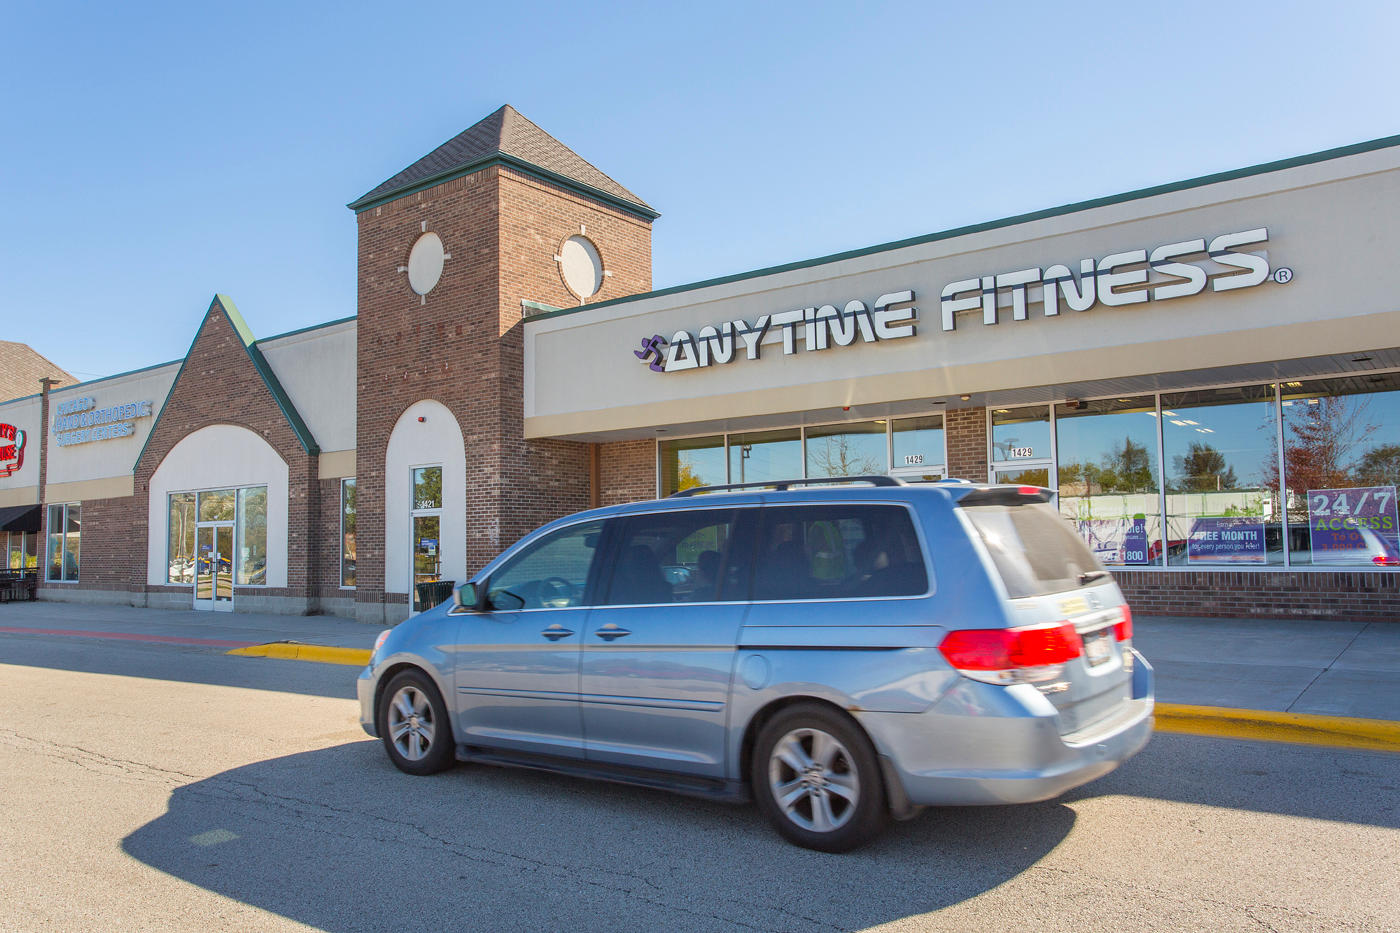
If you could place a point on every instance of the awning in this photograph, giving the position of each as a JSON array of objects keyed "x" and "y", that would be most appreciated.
[{"x": 20, "y": 518}]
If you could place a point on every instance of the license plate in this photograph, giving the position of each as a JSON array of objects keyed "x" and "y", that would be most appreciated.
[{"x": 1097, "y": 646}]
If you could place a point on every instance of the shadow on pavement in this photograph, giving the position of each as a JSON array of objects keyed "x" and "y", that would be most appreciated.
[
  {"x": 339, "y": 840},
  {"x": 185, "y": 664},
  {"x": 1315, "y": 782}
]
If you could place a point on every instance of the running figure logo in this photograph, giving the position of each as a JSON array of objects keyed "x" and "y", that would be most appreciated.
[{"x": 655, "y": 344}]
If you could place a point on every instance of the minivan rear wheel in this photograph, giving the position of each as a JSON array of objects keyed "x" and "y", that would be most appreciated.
[{"x": 816, "y": 779}]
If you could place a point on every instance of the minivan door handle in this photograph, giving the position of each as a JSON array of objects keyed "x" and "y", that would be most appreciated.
[
  {"x": 610, "y": 632},
  {"x": 556, "y": 632}
]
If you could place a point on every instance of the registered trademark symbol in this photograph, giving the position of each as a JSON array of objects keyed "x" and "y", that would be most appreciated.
[{"x": 1283, "y": 275}]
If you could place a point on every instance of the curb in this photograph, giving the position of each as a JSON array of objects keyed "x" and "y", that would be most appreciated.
[
  {"x": 1268, "y": 726},
  {"x": 292, "y": 651}
]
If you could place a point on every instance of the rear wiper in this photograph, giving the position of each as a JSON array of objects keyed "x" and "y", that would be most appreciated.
[{"x": 1089, "y": 576}]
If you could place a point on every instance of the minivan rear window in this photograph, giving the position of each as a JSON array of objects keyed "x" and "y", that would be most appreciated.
[{"x": 1034, "y": 549}]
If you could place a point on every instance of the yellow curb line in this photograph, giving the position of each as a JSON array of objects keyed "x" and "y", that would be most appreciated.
[
  {"x": 290, "y": 651},
  {"x": 1263, "y": 725}
]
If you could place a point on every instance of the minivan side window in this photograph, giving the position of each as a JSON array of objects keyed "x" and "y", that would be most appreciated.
[
  {"x": 836, "y": 551},
  {"x": 671, "y": 557},
  {"x": 551, "y": 573}
]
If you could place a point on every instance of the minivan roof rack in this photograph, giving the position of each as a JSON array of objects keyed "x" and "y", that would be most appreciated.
[{"x": 782, "y": 485}]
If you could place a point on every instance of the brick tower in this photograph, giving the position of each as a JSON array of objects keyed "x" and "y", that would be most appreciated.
[{"x": 452, "y": 250}]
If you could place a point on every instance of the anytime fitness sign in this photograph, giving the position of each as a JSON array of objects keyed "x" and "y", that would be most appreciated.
[{"x": 1174, "y": 270}]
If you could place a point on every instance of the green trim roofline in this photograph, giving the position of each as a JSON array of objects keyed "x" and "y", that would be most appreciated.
[
  {"x": 500, "y": 158},
  {"x": 274, "y": 385},
  {"x": 303, "y": 330},
  {"x": 1385, "y": 142},
  {"x": 132, "y": 372}
]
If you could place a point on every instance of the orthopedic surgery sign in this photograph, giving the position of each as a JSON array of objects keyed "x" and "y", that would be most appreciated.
[
  {"x": 80, "y": 421},
  {"x": 1135, "y": 276}
]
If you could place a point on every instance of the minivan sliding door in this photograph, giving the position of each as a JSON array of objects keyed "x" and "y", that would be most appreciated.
[{"x": 659, "y": 648}]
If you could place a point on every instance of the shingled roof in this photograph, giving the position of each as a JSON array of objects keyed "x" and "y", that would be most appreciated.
[
  {"x": 21, "y": 368},
  {"x": 504, "y": 136}
]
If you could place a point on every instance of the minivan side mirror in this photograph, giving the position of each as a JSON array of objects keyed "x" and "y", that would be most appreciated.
[{"x": 466, "y": 598}]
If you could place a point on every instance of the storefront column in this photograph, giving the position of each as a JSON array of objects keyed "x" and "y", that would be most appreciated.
[
  {"x": 42, "y": 570},
  {"x": 967, "y": 443}
]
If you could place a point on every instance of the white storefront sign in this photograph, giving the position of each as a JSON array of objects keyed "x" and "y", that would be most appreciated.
[
  {"x": 1173, "y": 270},
  {"x": 1116, "y": 280}
]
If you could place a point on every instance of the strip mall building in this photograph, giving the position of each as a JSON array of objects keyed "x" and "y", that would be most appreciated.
[{"x": 1207, "y": 372}]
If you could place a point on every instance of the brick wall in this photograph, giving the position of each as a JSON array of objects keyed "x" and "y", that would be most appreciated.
[
  {"x": 325, "y": 575},
  {"x": 112, "y": 548},
  {"x": 626, "y": 471},
  {"x": 463, "y": 346},
  {"x": 966, "y": 433},
  {"x": 1351, "y": 596}
]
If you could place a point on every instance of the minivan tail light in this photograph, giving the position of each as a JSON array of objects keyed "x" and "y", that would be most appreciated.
[
  {"x": 1012, "y": 655},
  {"x": 1123, "y": 631}
]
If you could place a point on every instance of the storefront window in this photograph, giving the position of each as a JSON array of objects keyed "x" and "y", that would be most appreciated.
[
  {"x": 65, "y": 532},
  {"x": 692, "y": 462},
  {"x": 13, "y": 547},
  {"x": 1221, "y": 453},
  {"x": 181, "y": 553},
  {"x": 216, "y": 505},
  {"x": 427, "y": 487},
  {"x": 347, "y": 533},
  {"x": 847, "y": 449},
  {"x": 1341, "y": 450},
  {"x": 1020, "y": 434},
  {"x": 252, "y": 536},
  {"x": 1108, "y": 477},
  {"x": 919, "y": 445},
  {"x": 765, "y": 456}
]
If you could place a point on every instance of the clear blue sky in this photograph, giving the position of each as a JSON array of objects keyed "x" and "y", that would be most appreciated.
[{"x": 154, "y": 154}]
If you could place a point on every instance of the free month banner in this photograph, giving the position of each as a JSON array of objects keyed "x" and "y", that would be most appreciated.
[{"x": 1226, "y": 539}]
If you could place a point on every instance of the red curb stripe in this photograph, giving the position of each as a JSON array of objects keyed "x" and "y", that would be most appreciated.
[{"x": 128, "y": 636}]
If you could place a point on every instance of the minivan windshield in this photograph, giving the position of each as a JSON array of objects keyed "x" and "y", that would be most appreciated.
[{"x": 1034, "y": 549}]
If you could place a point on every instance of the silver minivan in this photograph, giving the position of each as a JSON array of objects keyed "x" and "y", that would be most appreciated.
[{"x": 841, "y": 654}]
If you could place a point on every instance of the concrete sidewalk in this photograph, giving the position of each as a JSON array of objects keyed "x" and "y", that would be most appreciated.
[
  {"x": 1272, "y": 666},
  {"x": 1281, "y": 665},
  {"x": 243, "y": 628}
]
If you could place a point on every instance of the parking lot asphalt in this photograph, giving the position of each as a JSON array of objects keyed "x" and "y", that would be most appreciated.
[{"x": 1280, "y": 679}]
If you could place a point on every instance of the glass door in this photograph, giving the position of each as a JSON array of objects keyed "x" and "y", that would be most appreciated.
[
  {"x": 427, "y": 560},
  {"x": 1022, "y": 441},
  {"x": 213, "y": 580},
  {"x": 425, "y": 544}
]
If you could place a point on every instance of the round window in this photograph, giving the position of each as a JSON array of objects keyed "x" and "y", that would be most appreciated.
[
  {"x": 425, "y": 263},
  {"x": 582, "y": 266}
]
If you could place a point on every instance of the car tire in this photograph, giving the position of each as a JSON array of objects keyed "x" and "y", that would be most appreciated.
[
  {"x": 816, "y": 779},
  {"x": 414, "y": 726}
]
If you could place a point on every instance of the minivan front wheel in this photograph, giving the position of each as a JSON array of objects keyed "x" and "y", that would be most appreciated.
[
  {"x": 815, "y": 777},
  {"x": 414, "y": 726}
]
